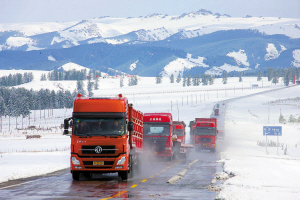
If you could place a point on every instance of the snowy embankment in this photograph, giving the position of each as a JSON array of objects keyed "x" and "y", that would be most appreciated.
[{"x": 261, "y": 173}]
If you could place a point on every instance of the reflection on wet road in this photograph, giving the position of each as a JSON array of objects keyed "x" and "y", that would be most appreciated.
[{"x": 151, "y": 184}]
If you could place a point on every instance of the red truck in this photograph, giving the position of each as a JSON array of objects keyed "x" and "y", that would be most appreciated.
[
  {"x": 205, "y": 134},
  {"x": 106, "y": 137},
  {"x": 158, "y": 135},
  {"x": 179, "y": 130},
  {"x": 179, "y": 136}
]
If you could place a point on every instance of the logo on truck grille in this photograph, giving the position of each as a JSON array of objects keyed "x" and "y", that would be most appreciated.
[{"x": 98, "y": 149}]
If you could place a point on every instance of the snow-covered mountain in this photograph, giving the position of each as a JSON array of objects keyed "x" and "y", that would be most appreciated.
[
  {"x": 195, "y": 42},
  {"x": 154, "y": 27}
]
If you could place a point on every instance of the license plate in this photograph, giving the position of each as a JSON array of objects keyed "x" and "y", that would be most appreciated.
[{"x": 98, "y": 163}]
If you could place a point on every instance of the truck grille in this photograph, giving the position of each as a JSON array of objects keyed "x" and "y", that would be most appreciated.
[
  {"x": 105, "y": 149},
  {"x": 157, "y": 144},
  {"x": 205, "y": 140}
]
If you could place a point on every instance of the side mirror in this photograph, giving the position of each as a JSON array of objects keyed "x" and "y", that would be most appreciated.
[
  {"x": 66, "y": 123},
  {"x": 130, "y": 126},
  {"x": 66, "y": 132}
]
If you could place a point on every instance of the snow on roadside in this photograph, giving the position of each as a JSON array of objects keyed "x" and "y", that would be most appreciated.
[{"x": 258, "y": 174}]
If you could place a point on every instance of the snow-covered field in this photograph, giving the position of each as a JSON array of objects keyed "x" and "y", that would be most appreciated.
[{"x": 257, "y": 174}]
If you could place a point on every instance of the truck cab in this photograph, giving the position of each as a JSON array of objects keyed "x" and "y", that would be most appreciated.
[
  {"x": 158, "y": 135},
  {"x": 205, "y": 134},
  {"x": 106, "y": 136}
]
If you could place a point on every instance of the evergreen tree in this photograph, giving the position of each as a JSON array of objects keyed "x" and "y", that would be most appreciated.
[
  {"x": 172, "y": 78},
  {"x": 211, "y": 79},
  {"x": 286, "y": 77},
  {"x": 96, "y": 82},
  {"x": 188, "y": 82},
  {"x": 68, "y": 99},
  {"x": 90, "y": 88},
  {"x": 292, "y": 119},
  {"x": 158, "y": 79},
  {"x": 184, "y": 81},
  {"x": 194, "y": 81},
  {"x": 240, "y": 76},
  {"x": 198, "y": 79},
  {"x": 281, "y": 119},
  {"x": 178, "y": 79},
  {"x": 80, "y": 87},
  {"x": 204, "y": 79},
  {"x": 275, "y": 79},
  {"x": 3, "y": 108},
  {"x": 53, "y": 100},
  {"x": 259, "y": 75},
  {"x": 225, "y": 77},
  {"x": 270, "y": 73},
  {"x": 279, "y": 72}
]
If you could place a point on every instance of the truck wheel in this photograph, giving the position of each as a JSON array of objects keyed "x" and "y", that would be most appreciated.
[
  {"x": 123, "y": 175},
  {"x": 75, "y": 176}
]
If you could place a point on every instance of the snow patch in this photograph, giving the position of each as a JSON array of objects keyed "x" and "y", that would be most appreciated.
[
  {"x": 181, "y": 64},
  {"x": 51, "y": 58},
  {"x": 133, "y": 65},
  {"x": 240, "y": 57},
  {"x": 19, "y": 41},
  {"x": 296, "y": 55},
  {"x": 272, "y": 52},
  {"x": 73, "y": 66}
]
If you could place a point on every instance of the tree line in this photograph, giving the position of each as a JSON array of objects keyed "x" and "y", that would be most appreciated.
[
  {"x": 287, "y": 74},
  {"x": 16, "y": 79},
  {"x": 56, "y": 75},
  {"x": 15, "y": 102}
]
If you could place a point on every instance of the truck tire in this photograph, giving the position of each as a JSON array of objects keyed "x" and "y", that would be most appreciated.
[
  {"x": 75, "y": 176},
  {"x": 123, "y": 175}
]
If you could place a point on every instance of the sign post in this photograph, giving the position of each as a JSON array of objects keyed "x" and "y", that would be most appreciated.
[{"x": 272, "y": 131}]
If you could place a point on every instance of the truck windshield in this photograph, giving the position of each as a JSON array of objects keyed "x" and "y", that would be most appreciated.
[
  {"x": 205, "y": 131},
  {"x": 179, "y": 132},
  {"x": 156, "y": 129},
  {"x": 98, "y": 127}
]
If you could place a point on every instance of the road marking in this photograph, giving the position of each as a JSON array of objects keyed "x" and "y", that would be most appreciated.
[
  {"x": 20, "y": 184},
  {"x": 122, "y": 192},
  {"x": 163, "y": 170},
  {"x": 151, "y": 177},
  {"x": 134, "y": 186},
  {"x": 157, "y": 173},
  {"x": 144, "y": 180},
  {"x": 169, "y": 167}
]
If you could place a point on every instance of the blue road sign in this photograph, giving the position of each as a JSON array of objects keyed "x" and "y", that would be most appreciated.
[{"x": 273, "y": 130}]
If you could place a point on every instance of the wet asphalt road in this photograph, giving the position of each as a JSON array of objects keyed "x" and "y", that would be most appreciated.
[{"x": 151, "y": 184}]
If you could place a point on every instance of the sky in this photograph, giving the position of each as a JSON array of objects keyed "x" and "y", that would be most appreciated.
[{"x": 19, "y": 11}]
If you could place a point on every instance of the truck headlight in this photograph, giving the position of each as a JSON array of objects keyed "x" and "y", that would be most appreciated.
[
  {"x": 75, "y": 161},
  {"x": 121, "y": 161}
]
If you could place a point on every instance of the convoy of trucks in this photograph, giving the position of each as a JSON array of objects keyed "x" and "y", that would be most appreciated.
[{"x": 106, "y": 137}]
